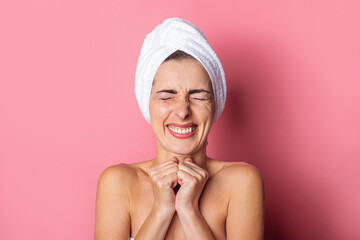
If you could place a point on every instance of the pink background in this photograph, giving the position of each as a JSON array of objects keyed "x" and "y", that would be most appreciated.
[{"x": 68, "y": 108}]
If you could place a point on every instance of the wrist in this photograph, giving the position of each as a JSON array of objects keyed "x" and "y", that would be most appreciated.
[
  {"x": 162, "y": 212},
  {"x": 188, "y": 215},
  {"x": 187, "y": 210}
]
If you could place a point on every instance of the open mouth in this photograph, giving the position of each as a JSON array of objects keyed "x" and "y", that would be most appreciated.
[{"x": 182, "y": 131}]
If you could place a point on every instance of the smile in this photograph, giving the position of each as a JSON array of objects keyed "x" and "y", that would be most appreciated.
[{"x": 182, "y": 131}]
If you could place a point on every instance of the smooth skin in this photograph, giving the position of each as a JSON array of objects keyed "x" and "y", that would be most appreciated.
[{"x": 216, "y": 199}]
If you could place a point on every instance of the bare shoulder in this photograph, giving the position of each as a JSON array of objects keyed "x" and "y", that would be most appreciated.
[
  {"x": 117, "y": 174},
  {"x": 235, "y": 169},
  {"x": 239, "y": 174},
  {"x": 245, "y": 202},
  {"x": 242, "y": 171},
  {"x": 112, "y": 218},
  {"x": 121, "y": 174}
]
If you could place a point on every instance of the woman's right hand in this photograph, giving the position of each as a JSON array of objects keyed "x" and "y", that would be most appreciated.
[{"x": 163, "y": 179}]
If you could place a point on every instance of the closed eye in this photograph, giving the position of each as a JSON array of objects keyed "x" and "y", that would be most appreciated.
[
  {"x": 200, "y": 95},
  {"x": 201, "y": 99},
  {"x": 166, "y": 94}
]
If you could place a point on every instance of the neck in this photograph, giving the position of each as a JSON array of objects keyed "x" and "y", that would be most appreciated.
[{"x": 199, "y": 157}]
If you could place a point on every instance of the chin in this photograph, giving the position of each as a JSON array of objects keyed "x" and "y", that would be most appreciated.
[{"x": 183, "y": 150}]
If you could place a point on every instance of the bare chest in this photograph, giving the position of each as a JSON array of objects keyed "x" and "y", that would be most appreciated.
[{"x": 212, "y": 204}]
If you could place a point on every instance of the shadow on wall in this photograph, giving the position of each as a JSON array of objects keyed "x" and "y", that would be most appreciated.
[{"x": 258, "y": 129}]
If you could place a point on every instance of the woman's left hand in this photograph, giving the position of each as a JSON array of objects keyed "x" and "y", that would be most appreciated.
[{"x": 192, "y": 179}]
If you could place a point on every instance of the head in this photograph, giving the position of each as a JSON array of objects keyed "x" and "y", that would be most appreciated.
[
  {"x": 179, "y": 90},
  {"x": 181, "y": 105}
]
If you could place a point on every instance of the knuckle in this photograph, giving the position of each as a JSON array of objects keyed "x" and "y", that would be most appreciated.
[
  {"x": 155, "y": 178},
  {"x": 160, "y": 184},
  {"x": 205, "y": 174},
  {"x": 193, "y": 180},
  {"x": 166, "y": 183},
  {"x": 152, "y": 171},
  {"x": 174, "y": 168}
]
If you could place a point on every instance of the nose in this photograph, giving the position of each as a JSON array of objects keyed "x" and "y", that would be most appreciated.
[{"x": 182, "y": 109}]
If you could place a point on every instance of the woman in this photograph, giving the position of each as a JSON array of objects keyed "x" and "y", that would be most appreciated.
[{"x": 181, "y": 193}]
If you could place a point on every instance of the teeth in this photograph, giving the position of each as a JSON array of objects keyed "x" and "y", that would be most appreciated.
[{"x": 181, "y": 130}]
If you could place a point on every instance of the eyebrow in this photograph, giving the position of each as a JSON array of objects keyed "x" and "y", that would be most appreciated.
[
  {"x": 198, "y": 91},
  {"x": 171, "y": 91},
  {"x": 167, "y": 91}
]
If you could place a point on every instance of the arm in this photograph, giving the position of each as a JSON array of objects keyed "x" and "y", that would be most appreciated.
[
  {"x": 194, "y": 225},
  {"x": 163, "y": 177},
  {"x": 112, "y": 219},
  {"x": 155, "y": 225},
  {"x": 245, "y": 219},
  {"x": 192, "y": 179},
  {"x": 113, "y": 205}
]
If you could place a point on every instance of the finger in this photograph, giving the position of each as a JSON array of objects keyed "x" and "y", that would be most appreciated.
[
  {"x": 174, "y": 159},
  {"x": 192, "y": 164},
  {"x": 194, "y": 170},
  {"x": 163, "y": 168},
  {"x": 188, "y": 169},
  {"x": 158, "y": 168},
  {"x": 165, "y": 172},
  {"x": 189, "y": 159},
  {"x": 185, "y": 177},
  {"x": 198, "y": 169},
  {"x": 170, "y": 180},
  {"x": 170, "y": 162},
  {"x": 173, "y": 178}
]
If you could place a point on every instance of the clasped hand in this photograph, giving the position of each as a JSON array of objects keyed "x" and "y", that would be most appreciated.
[{"x": 166, "y": 176}]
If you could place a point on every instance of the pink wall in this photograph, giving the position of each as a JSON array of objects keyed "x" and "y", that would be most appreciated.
[{"x": 68, "y": 108}]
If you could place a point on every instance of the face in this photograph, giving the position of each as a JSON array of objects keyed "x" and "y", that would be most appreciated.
[{"x": 181, "y": 106}]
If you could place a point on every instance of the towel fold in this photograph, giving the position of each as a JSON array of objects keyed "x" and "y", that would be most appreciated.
[{"x": 172, "y": 35}]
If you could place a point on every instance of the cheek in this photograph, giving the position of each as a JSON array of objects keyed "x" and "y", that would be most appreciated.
[
  {"x": 204, "y": 109},
  {"x": 159, "y": 111}
]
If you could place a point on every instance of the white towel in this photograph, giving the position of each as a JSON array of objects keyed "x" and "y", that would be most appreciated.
[{"x": 172, "y": 35}]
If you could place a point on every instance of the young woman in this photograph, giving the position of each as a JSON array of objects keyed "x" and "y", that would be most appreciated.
[{"x": 181, "y": 193}]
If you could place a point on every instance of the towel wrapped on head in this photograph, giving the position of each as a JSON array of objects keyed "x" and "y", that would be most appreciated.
[{"x": 172, "y": 35}]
